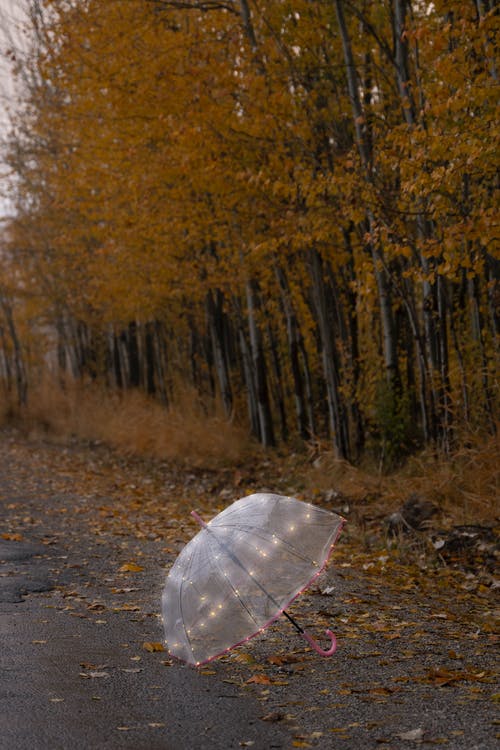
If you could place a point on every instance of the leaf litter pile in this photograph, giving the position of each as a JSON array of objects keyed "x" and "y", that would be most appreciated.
[{"x": 416, "y": 629}]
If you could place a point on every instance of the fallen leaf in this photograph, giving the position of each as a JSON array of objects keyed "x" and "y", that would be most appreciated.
[
  {"x": 380, "y": 690},
  {"x": 153, "y": 646},
  {"x": 414, "y": 735},
  {"x": 12, "y": 537},
  {"x": 273, "y": 716},
  {"x": 127, "y": 608},
  {"x": 442, "y": 676},
  {"x": 131, "y": 568},
  {"x": 92, "y": 675},
  {"x": 260, "y": 679},
  {"x": 156, "y": 724},
  {"x": 285, "y": 659},
  {"x": 244, "y": 658}
]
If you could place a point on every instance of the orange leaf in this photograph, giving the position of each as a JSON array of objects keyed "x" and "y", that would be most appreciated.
[
  {"x": 151, "y": 647},
  {"x": 260, "y": 679},
  {"x": 131, "y": 568},
  {"x": 12, "y": 537}
]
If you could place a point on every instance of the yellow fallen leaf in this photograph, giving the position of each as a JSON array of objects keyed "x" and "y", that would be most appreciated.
[
  {"x": 285, "y": 659},
  {"x": 273, "y": 716},
  {"x": 127, "y": 608},
  {"x": 12, "y": 537},
  {"x": 260, "y": 679},
  {"x": 151, "y": 647},
  {"x": 131, "y": 568},
  {"x": 244, "y": 658}
]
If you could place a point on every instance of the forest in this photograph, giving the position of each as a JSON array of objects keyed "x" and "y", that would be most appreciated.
[{"x": 288, "y": 206}]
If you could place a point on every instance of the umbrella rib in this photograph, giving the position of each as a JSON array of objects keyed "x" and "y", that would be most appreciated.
[
  {"x": 233, "y": 557},
  {"x": 259, "y": 585},
  {"x": 181, "y": 606},
  {"x": 233, "y": 589},
  {"x": 250, "y": 530}
]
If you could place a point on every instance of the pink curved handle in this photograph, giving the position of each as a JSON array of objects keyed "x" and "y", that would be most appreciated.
[{"x": 316, "y": 647}]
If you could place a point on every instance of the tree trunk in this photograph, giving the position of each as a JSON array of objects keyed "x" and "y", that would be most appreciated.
[
  {"x": 363, "y": 145},
  {"x": 277, "y": 382},
  {"x": 477, "y": 328},
  {"x": 133, "y": 356},
  {"x": 215, "y": 319},
  {"x": 266, "y": 431},
  {"x": 293, "y": 334},
  {"x": 400, "y": 9},
  {"x": 336, "y": 412},
  {"x": 19, "y": 369},
  {"x": 249, "y": 379}
]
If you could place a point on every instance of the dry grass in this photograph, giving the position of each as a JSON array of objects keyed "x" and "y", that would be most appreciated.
[
  {"x": 465, "y": 486},
  {"x": 134, "y": 424}
]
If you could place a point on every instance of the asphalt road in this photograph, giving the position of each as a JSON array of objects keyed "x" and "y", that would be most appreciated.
[
  {"x": 71, "y": 681},
  {"x": 75, "y": 673}
]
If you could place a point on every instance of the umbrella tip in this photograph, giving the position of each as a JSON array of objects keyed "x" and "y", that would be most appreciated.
[{"x": 198, "y": 518}]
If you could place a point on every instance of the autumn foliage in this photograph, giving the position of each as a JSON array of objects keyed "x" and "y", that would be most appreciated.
[{"x": 290, "y": 206}]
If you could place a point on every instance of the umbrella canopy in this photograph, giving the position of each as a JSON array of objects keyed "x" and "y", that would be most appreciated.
[{"x": 241, "y": 571}]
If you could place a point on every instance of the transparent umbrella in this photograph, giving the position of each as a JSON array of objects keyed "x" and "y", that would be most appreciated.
[{"x": 241, "y": 571}]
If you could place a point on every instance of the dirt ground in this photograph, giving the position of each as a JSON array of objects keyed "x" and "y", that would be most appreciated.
[{"x": 87, "y": 537}]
